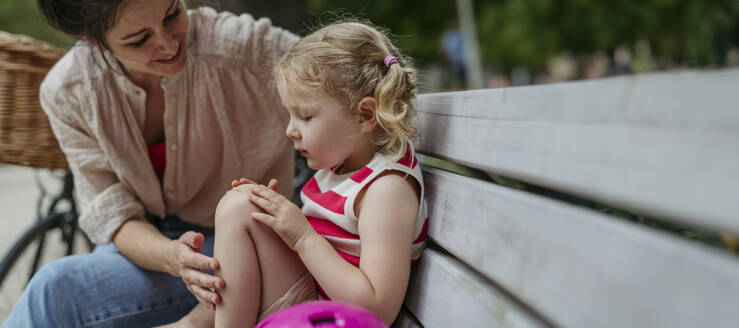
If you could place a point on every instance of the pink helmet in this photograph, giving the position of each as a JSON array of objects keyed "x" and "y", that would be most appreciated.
[{"x": 323, "y": 314}]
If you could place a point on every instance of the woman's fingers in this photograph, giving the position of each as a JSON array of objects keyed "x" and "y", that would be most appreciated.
[
  {"x": 202, "y": 279},
  {"x": 205, "y": 296},
  {"x": 193, "y": 239},
  {"x": 201, "y": 262}
]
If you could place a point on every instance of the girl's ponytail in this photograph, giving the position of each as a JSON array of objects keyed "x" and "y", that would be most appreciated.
[{"x": 395, "y": 111}]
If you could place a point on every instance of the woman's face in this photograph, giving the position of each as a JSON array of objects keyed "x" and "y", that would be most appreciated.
[{"x": 150, "y": 37}]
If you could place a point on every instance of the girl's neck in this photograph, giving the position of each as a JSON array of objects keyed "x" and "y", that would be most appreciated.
[{"x": 357, "y": 160}]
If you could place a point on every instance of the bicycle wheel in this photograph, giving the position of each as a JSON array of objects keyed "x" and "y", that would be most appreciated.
[
  {"x": 17, "y": 266},
  {"x": 52, "y": 236}
]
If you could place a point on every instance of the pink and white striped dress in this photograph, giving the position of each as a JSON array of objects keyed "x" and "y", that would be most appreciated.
[{"x": 328, "y": 203}]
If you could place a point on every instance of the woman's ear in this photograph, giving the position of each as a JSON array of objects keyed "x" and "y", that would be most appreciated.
[{"x": 366, "y": 110}]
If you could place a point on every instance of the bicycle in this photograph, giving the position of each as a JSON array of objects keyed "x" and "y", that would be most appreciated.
[{"x": 26, "y": 139}]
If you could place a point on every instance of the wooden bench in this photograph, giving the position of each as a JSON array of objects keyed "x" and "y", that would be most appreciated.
[{"x": 664, "y": 146}]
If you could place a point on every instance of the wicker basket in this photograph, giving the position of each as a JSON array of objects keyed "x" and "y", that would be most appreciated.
[{"x": 25, "y": 135}]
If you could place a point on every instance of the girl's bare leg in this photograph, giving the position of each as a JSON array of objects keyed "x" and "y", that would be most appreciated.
[
  {"x": 199, "y": 316},
  {"x": 256, "y": 265}
]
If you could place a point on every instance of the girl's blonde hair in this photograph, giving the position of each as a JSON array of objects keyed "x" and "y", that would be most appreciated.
[{"x": 346, "y": 61}]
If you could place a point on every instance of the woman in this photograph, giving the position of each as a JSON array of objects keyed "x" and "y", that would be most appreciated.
[{"x": 157, "y": 109}]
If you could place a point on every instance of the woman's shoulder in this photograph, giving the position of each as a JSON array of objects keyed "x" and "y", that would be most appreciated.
[
  {"x": 229, "y": 35},
  {"x": 76, "y": 68}
]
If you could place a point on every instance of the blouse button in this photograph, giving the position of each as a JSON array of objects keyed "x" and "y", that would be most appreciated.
[
  {"x": 164, "y": 81},
  {"x": 173, "y": 147}
]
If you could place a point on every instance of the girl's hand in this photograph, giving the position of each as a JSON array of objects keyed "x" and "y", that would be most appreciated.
[
  {"x": 284, "y": 217},
  {"x": 189, "y": 263},
  {"x": 272, "y": 183}
]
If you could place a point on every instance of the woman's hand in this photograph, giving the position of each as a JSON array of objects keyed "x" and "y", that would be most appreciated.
[
  {"x": 284, "y": 217},
  {"x": 188, "y": 263}
]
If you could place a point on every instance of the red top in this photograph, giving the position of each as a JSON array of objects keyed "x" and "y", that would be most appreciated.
[{"x": 158, "y": 157}]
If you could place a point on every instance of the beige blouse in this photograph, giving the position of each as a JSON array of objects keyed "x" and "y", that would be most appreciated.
[{"x": 223, "y": 119}]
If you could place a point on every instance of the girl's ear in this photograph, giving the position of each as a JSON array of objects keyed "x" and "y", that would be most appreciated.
[{"x": 366, "y": 110}]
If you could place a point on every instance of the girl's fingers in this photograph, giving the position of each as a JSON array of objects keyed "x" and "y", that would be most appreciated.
[
  {"x": 241, "y": 181},
  {"x": 268, "y": 194},
  {"x": 263, "y": 203},
  {"x": 246, "y": 181},
  {"x": 272, "y": 184},
  {"x": 263, "y": 217}
]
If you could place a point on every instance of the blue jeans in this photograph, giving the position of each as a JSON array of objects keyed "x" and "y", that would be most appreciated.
[{"x": 104, "y": 289}]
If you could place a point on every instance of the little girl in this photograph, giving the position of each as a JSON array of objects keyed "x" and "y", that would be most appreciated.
[{"x": 363, "y": 222}]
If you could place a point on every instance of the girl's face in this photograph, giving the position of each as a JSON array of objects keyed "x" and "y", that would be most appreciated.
[
  {"x": 150, "y": 37},
  {"x": 322, "y": 132}
]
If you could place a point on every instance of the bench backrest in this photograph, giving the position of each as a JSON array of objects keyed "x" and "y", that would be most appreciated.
[{"x": 662, "y": 145}]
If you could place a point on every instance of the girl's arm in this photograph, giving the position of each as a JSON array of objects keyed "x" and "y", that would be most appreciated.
[{"x": 387, "y": 217}]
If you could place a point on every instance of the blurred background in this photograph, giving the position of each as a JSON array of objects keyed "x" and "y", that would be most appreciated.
[
  {"x": 465, "y": 44},
  {"x": 457, "y": 45}
]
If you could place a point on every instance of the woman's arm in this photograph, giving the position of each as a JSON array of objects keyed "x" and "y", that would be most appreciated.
[
  {"x": 387, "y": 216},
  {"x": 111, "y": 212},
  {"x": 141, "y": 242}
]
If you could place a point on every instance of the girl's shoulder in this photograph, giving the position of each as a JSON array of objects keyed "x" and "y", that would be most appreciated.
[
  {"x": 391, "y": 180},
  {"x": 394, "y": 183}
]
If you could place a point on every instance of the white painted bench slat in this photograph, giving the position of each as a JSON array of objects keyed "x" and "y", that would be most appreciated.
[
  {"x": 575, "y": 266},
  {"x": 665, "y": 145},
  {"x": 445, "y": 293}
]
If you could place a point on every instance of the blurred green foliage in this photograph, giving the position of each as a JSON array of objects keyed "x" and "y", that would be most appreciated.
[
  {"x": 22, "y": 17},
  {"x": 512, "y": 33},
  {"x": 526, "y": 33},
  {"x": 416, "y": 26}
]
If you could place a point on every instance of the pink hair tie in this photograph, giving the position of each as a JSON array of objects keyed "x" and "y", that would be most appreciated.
[{"x": 389, "y": 60}]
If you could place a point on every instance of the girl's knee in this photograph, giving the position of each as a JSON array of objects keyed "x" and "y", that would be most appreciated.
[{"x": 235, "y": 207}]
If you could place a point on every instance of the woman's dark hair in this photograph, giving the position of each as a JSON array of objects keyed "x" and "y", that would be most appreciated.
[
  {"x": 90, "y": 20},
  {"x": 82, "y": 19}
]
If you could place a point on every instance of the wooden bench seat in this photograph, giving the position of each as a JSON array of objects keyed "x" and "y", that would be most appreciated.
[{"x": 664, "y": 146}]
